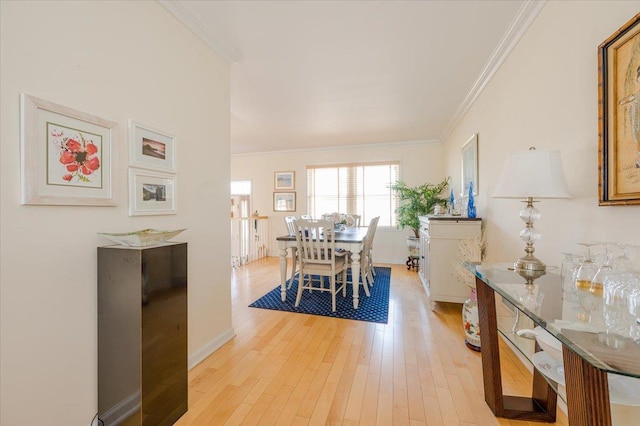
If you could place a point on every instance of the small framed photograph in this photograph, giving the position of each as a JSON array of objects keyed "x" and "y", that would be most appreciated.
[
  {"x": 284, "y": 201},
  {"x": 67, "y": 156},
  {"x": 469, "y": 153},
  {"x": 285, "y": 180},
  {"x": 151, "y": 149},
  {"x": 151, "y": 193}
]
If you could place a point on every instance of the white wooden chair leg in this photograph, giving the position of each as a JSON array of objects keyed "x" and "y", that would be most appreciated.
[
  {"x": 300, "y": 286},
  {"x": 332, "y": 285},
  {"x": 293, "y": 273},
  {"x": 344, "y": 283},
  {"x": 369, "y": 278},
  {"x": 365, "y": 284}
]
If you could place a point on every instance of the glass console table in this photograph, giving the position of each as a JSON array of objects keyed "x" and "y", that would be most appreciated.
[{"x": 587, "y": 361}]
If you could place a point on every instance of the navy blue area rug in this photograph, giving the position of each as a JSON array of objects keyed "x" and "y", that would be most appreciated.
[{"x": 374, "y": 308}]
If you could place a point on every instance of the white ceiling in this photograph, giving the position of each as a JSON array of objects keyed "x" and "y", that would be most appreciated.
[{"x": 314, "y": 74}]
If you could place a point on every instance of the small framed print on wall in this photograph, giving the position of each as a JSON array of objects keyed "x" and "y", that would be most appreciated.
[
  {"x": 151, "y": 149},
  {"x": 67, "y": 156},
  {"x": 151, "y": 193},
  {"x": 284, "y": 201},
  {"x": 284, "y": 180}
]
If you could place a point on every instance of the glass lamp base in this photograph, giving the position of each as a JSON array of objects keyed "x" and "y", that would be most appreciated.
[{"x": 530, "y": 268}]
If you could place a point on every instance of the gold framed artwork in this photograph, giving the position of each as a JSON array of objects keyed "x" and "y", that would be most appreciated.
[
  {"x": 619, "y": 116},
  {"x": 284, "y": 201},
  {"x": 284, "y": 181}
]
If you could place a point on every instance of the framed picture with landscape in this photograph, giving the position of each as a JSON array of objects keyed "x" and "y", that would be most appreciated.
[
  {"x": 151, "y": 193},
  {"x": 284, "y": 201},
  {"x": 284, "y": 181},
  {"x": 619, "y": 116},
  {"x": 151, "y": 149}
]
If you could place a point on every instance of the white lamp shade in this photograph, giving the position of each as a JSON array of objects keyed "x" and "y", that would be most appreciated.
[{"x": 533, "y": 173}]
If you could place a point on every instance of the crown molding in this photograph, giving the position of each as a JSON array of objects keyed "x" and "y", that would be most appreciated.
[
  {"x": 338, "y": 148},
  {"x": 183, "y": 13},
  {"x": 526, "y": 15}
]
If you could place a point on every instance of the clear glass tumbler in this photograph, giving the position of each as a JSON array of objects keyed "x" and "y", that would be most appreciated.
[
  {"x": 584, "y": 276},
  {"x": 570, "y": 264}
]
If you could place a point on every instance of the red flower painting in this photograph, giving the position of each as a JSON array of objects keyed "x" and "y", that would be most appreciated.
[{"x": 78, "y": 155}]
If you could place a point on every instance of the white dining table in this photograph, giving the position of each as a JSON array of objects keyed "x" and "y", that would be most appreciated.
[{"x": 351, "y": 240}]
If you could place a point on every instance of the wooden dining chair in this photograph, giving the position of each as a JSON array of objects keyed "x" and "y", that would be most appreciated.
[
  {"x": 318, "y": 257},
  {"x": 291, "y": 229},
  {"x": 366, "y": 261},
  {"x": 371, "y": 234},
  {"x": 357, "y": 218}
]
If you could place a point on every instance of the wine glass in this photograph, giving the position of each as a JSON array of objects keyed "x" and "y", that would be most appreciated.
[
  {"x": 584, "y": 276},
  {"x": 634, "y": 311},
  {"x": 597, "y": 281},
  {"x": 622, "y": 261},
  {"x": 570, "y": 264},
  {"x": 619, "y": 310},
  {"x": 615, "y": 300}
]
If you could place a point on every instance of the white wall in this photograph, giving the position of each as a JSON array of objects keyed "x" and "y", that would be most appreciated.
[
  {"x": 419, "y": 163},
  {"x": 116, "y": 60},
  {"x": 545, "y": 95}
]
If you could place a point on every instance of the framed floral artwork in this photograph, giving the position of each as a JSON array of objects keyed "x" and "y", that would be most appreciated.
[
  {"x": 67, "y": 156},
  {"x": 284, "y": 180},
  {"x": 284, "y": 201},
  {"x": 619, "y": 116},
  {"x": 151, "y": 193},
  {"x": 469, "y": 153},
  {"x": 151, "y": 149}
]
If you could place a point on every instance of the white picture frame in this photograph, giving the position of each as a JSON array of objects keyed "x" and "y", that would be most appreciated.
[
  {"x": 152, "y": 193},
  {"x": 67, "y": 157},
  {"x": 469, "y": 154},
  {"x": 151, "y": 148}
]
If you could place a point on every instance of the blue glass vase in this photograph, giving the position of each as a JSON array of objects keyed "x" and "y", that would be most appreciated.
[
  {"x": 452, "y": 203},
  {"x": 471, "y": 207}
]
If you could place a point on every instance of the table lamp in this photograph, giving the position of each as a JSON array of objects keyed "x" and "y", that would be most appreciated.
[{"x": 532, "y": 175}]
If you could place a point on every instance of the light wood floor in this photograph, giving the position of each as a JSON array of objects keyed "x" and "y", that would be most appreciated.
[{"x": 286, "y": 368}]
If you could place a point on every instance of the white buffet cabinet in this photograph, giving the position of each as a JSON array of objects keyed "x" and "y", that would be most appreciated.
[{"x": 440, "y": 238}]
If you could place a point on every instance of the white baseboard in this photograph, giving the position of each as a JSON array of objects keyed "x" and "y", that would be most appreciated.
[
  {"x": 389, "y": 261},
  {"x": 130, "y": 404},
  {"x": 198, "y": 356}
]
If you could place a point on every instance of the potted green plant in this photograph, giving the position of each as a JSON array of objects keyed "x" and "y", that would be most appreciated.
[{"x": 418, "y": 201}]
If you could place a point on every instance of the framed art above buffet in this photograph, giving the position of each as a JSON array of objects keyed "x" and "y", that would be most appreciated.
[{"x": 619, "y": 116}]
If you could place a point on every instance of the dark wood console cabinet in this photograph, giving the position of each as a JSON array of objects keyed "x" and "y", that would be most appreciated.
[{"x": 142, "y": 334}]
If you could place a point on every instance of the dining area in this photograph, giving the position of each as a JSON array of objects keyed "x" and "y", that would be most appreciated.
[{"x": 327, "y": 255}]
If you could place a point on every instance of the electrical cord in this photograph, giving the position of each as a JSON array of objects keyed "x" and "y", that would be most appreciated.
[{"x": 100, "y": 421}]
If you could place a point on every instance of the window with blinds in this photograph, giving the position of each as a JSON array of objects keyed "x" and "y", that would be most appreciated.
[{"x": 362, "y": 189}]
